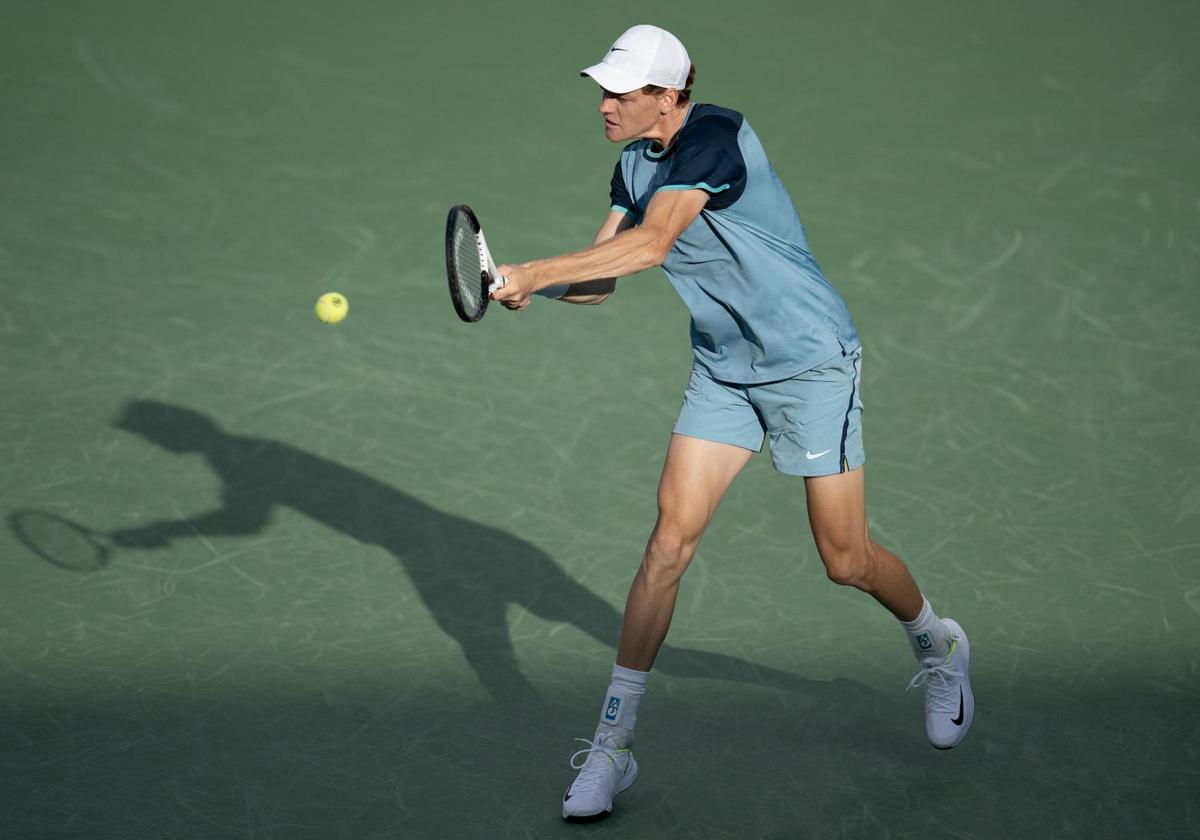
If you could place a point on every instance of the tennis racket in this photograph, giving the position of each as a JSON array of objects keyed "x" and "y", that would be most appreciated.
[
  {"x": 469, "y": 265},
  {"x": 60, "y": 541}
]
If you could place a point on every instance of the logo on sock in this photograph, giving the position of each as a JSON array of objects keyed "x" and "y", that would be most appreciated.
[
  {"x": 610, "y": 711},
  {"x": 925, "y": 642}
]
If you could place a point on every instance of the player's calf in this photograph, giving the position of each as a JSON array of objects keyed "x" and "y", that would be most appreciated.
[{"x": 940, "y": 645}]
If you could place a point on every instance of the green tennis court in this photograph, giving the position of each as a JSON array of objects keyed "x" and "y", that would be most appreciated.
[{"x": 367, "y": 579}]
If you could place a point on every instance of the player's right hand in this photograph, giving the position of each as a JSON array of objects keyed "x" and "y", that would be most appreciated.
[
  {"x": 518, "y": 286},
  {"x": 150, "y": 536}
]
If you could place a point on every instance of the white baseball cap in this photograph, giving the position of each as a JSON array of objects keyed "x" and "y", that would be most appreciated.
[{"x": 643, "y": 55}]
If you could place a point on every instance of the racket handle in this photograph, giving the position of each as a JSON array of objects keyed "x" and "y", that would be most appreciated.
[{"x": 498, "y": 281}]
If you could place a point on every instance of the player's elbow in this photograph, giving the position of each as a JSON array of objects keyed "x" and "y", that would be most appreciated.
[
  {"x": 655, "y": 248},
  {"x": 657, "y": 252}
]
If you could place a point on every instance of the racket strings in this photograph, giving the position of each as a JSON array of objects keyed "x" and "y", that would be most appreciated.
[{"x": 468, "y": 264}]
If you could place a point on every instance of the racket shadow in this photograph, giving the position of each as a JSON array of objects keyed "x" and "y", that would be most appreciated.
[
  {"x": 466, "y": 574},
  {"x": 59, "y": 541}
]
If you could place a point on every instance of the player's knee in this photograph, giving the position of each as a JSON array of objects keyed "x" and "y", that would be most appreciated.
[
  {"x": 668, "y": 554},
  {"x": 847, "y": 565}
]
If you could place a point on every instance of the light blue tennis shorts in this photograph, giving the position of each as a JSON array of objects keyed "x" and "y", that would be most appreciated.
[{"x": 814, "y": 419}]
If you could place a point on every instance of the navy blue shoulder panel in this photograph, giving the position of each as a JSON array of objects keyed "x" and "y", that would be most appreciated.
[
  {"x": 706, "y": 156},
  {"x": 701, "y": 111},
  {"x": 618, "y": 193},
  {"x": 618, "y": 190}
]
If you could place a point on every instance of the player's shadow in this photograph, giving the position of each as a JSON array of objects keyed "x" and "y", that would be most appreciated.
[{"x": 466, "y": 573}]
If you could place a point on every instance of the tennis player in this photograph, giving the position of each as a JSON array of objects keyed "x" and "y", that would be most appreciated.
[{"x": 776, "y": 353}]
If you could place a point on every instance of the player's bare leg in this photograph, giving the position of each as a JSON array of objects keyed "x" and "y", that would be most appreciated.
[
  {"x": 695, "y": 477},
  {"x": 837, "y": 512},
  {"x": 838, "y": 515}
]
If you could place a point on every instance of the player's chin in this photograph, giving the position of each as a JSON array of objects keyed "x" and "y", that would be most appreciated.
[{"x": 614, "y": 133}]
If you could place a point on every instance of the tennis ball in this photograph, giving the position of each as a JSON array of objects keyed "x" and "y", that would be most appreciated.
[{"x": 332, "y": 307}]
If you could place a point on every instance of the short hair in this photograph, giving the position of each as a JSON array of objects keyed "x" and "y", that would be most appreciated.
[{"x": 685, "y": 93}]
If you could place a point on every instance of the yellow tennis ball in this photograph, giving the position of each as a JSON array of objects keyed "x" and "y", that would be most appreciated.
[{"x": 332, "y": 307}]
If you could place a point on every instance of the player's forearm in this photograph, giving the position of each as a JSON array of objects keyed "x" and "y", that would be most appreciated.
[{"x": 626, "y": 253}]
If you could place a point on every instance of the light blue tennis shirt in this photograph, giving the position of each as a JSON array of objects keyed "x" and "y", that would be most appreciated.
[{"x": 761, "y": 309}]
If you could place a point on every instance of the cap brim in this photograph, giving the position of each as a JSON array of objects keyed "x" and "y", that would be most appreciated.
[{"x": 612, "y": 79}]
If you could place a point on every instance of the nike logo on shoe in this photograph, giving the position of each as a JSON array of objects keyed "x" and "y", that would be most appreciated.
[
  {"x": 958, "y": 720},
  {"x": 813, "y": 456}
]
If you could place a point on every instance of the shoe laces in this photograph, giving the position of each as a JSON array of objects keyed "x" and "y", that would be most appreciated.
[
  {"x": 940, "y": 681},
  {"x": 598, "y": 759}
]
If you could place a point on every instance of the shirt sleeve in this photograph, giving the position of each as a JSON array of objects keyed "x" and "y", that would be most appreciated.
[
  {"x": 708, "y": 158},
  {"x": 618, "y": 195}
]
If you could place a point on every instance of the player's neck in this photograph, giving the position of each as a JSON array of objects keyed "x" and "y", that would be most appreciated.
[{"x": 667, "y": 128}]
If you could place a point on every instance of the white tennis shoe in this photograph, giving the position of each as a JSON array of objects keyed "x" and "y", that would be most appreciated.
[
  {"x": 949, "y": 702},
  {"x": 606, "y": 771}
]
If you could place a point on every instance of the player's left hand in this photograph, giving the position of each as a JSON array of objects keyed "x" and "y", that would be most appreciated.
[{"x": 518, "y": 286}]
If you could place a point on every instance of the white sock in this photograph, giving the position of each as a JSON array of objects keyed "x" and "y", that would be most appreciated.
[
  {"x": 618, "y": 715},
  {"x": 929, "y": 638}
]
